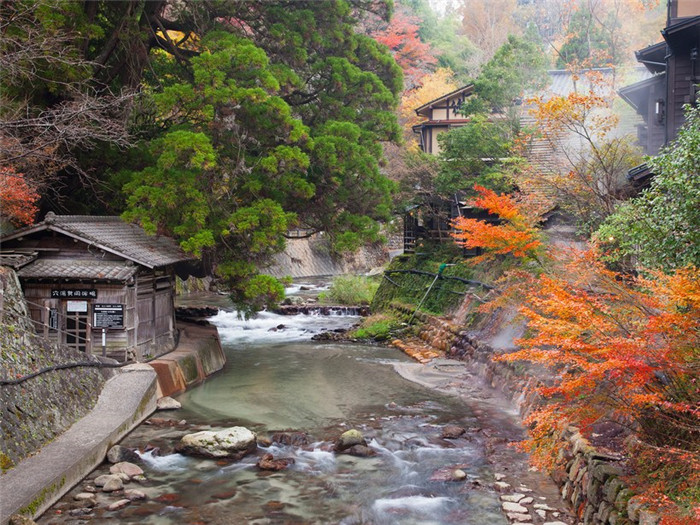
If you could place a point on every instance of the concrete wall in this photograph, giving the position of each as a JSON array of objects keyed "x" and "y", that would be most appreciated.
[
  {"x": 198, "y": 355},
  {"x": 311, "y": 257}
]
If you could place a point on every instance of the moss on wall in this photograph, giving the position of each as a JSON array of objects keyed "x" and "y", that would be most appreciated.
[
  {"x": 36, "y": 411},
  {"x": 444, "y": 297}
]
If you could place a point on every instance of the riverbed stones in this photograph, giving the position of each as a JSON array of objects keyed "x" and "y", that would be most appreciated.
[
  {"x": 517, "y": 517},
  {"x": 118, "y": 453},
  {"x": 514, "y": 498},
  {"x": 113, "y": 484},
  {"x": 234, "y": 442},
  {"x": 290, "y": 438},
  {"x": 119, "y": 504},
  {"x": 360, "y": 451},
  {"x": 452, "y": 432},
  {"x": 349, "y": 439},
  {"x": 168, "y": 403},
  {"x": 127, "y": 468},
  {"x": 268, "y": 462},
  {"x": 134, "y": 494},
  {"x": 509, "y": 506}
]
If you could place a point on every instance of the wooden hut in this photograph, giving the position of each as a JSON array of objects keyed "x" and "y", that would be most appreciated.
[{"x": 99, "y": 284}]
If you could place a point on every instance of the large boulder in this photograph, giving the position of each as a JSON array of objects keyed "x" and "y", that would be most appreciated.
[{"x": 234, "y": 442}]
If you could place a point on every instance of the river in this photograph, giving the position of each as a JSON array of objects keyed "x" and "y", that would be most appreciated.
[{"x": 276, "y": 378}]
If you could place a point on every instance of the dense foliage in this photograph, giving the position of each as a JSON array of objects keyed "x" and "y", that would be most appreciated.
[
  {"x": 661, "y": 227},
  {"x": 621, "y": 350},
  {"x": 252, "y": 118}
]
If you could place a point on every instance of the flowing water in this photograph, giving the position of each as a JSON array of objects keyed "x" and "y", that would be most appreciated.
[{"x": 275, "y": 379}]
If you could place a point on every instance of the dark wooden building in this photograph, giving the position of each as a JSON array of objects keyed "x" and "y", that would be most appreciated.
[
  {"x": 675, "y": 66},
  {"x": 88, "y": 279}
]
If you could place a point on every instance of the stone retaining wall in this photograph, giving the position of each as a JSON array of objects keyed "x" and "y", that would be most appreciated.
[
  {"x": 590, "y": 480},
  {"x": 36, "y": 411}
]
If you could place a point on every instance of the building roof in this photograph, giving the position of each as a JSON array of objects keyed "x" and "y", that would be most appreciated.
[
  {"x": 683, "y": 35},
  {"x": 653, "y": 57},
  {"x": 16, "y": 260},
  {"x": 468, "y": 89},
  {"x": 637, "y": 94},
  {"x": 78, "y": 269},
  {"x": 112, "y": 235}
]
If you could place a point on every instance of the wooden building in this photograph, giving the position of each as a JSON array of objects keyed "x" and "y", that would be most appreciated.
[
  {"x": 442, "y": 114},
  {"x": 90, "y": 280},
  {"x": 675, "y": 66}
]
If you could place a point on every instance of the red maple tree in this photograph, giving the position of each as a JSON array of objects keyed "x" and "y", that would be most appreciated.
[{"x": 17, "y": 197}]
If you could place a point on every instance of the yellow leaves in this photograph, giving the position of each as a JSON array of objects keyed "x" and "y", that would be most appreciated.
[{"x": 432, "y": 86}]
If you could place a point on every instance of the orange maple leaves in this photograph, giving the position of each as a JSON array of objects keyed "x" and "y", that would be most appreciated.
[
  {"x": 514, "y": 234},
  {"x": 620, "y": 347},
  {"x": 17, "y": 197}
]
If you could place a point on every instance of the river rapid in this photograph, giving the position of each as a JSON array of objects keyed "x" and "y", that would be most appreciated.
[{"x": 278, "y": 379}]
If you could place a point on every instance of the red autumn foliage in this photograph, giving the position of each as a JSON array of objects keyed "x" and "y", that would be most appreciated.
[
  {"x": 17, "y": 197},
  {"x": 515, "y": 235},
  {"x": 401, "y": 37}
]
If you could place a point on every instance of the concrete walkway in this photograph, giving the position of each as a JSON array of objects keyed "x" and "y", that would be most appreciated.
[{"x": 38, "y": 481}]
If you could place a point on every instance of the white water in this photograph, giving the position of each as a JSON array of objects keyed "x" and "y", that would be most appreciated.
[{"x": 263, "y": 328}]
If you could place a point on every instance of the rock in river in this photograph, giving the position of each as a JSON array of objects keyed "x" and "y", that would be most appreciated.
[
  {"x": 268, "y": 462},
  {"x": 234, "y": 442},
  {"x": 349, "y": 439}
]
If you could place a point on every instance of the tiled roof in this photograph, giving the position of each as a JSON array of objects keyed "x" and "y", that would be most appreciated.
[
  {"x": 16, "y": 260},
  {"x": 112, "y": 235},
  {"x": 78, "y": 269}
]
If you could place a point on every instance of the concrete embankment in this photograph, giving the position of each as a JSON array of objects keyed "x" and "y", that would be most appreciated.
[
  {"x": 37, "y": 482},
  {"x": 128, "y": 398},
  {"x": 197, "y": 356}
]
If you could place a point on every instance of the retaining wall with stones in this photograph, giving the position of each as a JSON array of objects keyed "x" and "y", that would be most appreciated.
[
  {"x": 590, "y": 480},
  {"x": 36, "y": 411}
]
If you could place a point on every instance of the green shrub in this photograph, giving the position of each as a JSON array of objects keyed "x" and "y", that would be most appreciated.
[
  {"x": 377, "y": 327},
  {"x": 351, "y": 290}
]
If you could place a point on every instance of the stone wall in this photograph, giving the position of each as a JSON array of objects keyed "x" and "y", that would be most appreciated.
[
  {"x": 39, "y": 409},
  {"x": 590, "y": 480}
]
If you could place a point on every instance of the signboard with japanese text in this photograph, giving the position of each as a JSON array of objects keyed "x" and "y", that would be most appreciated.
[
  {"x": 108, "y": 316},
  {"x": 71, "y": 293}
]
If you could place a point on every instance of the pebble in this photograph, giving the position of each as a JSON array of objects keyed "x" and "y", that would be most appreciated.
[
  {"x": 523, "y": 488},
  {"x": 509, "y": 506},
  {"x": 120, "y": 504},
  {"x": 542, "y": 514},
  {"x": 499, "y": 477},
  {"x": 515, "y": 498},
  {"x": 134, "y": 494},
  {"x": 501, "y": 486},
  {"x": 520, "y": 518},
  {"x": 526, "y": 501},
  {"x": 112, "y": 484},
  {"x": 81, "y": 496},
  {"x": 459, "y": 475},
  {"x": 127, "y": 468},
  {"x": 167, "y": 403},
  {"x": 542, "y": 506}
]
